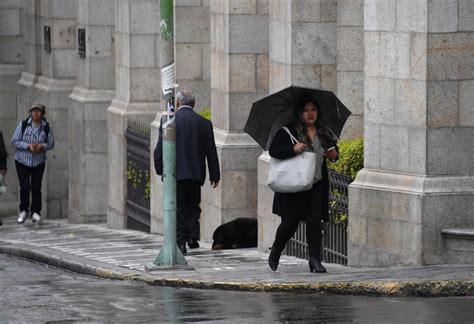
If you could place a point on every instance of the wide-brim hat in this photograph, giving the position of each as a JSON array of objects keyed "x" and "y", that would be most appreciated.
[{"x": 37, "y": 105}]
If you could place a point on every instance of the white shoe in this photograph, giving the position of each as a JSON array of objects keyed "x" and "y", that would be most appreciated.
[
  {"x": 36, "y": 218},
  {"x": 22, "y": 217}
]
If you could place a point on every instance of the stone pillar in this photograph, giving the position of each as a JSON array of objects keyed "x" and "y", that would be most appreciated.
[
  {"x": 192, "y": 37},
  {"x": 418, "y": 126},
  {"x": 137, "y": 91},
  {"x": 12, "y": 59},
  {"x": 239, "y": 76},
  {"x": 90, "y": 99},
  {"x": 52, "y": 88},
  {"x": 350, "y": 63},
  {"x": 302, "y": 52}
]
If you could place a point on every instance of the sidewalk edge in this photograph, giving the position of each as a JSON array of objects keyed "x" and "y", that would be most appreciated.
[{"x": 439, "y": 288}]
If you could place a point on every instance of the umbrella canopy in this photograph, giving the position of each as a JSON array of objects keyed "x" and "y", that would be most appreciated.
[{"x": 273, "y": 112}]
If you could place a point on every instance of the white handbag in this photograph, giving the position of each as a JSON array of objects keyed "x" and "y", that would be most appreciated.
[{"x": 294, "y": 174}]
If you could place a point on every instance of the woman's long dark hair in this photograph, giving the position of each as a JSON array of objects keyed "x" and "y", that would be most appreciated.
[{"x": 325, "y": 135}]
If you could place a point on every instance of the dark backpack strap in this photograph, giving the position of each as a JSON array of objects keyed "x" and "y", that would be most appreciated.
[
  {"x": 24, "y": 124},
  {"x": 46, "y": 131}
]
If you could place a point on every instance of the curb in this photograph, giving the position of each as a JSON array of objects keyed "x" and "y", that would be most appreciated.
[{"x": 440, "y": 288}]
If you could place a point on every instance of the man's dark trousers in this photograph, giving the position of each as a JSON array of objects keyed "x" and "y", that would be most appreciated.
[
  {"x": 188, "y": 198},
  {"x": 26, "y": 173}
]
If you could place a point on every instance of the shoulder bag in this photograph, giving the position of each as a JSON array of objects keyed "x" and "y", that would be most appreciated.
[{"x": 294, "y": 174}]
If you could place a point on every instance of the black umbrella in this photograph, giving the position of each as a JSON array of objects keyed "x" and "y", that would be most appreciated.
[{"x": 271, "y": 113}]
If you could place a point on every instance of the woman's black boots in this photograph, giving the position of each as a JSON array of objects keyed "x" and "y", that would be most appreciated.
[
  {"x": 315, "y": 265},
  {"x": 274, "y": 258}
]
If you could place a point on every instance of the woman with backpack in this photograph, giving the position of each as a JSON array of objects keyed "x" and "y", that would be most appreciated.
[{"x": 32, "y": 139}]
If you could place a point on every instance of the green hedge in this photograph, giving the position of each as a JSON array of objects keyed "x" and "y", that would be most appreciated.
[
  {"x": 351, "y": 157},
  {"x": 206, "y": 113}
]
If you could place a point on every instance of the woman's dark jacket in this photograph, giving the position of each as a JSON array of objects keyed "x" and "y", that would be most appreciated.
[
  {"x": 304, "y": 204},
  {"x": 3, "y": 154}
]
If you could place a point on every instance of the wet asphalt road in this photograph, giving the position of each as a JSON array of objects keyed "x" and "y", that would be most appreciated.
[{"x": 35, "y": 293}]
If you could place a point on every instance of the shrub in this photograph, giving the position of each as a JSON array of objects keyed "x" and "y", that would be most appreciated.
[
  {"x": 206, "y": 113},
  {"x": 351, "y": 158}
]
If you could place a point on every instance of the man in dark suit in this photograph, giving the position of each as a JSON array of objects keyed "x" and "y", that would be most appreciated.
[{"x": 194, "y": 144}]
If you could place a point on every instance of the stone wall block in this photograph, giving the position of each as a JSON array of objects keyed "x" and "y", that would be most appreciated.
[
  {"x": 263, "y": 7},
  {"x": 350, "y": 49},
  {"x": 314, "y": 43},
  {"x": 372, "y": 149},
  {"x": 100, "y": 41},
  {"x": 243, "y": 35},
  {"x": 189, "y": 61},
  {"x": 280, "y": 34},
  {"x": 197, "y": 26},
  {"x": 443, "y": 104},
  {"x": 350, "y": 13},
  {"x": 96, "y": 166},
  {"x": 442, "y": 16},
  {"x": 242, "y": 73},
  {"x": 412, "y": 16},
  {"x": 395, "y": 148},
  {"x": 206, "y": 62},
  {"x": 418, "y": 56},
  {"x": 145, "y": 85},
  {"x": 379, "y": 96},
  {"x": 243, "y": 7},
  {"x": 395, "y": 51},
  {"x": 144, "y": 17},
  {"x": 10, "y": 22},
  {"x": 350, "y": 90},
  {"x": 410, "y": 103},
  {"x": 100, "y": 13},
  {"x": 354, "y": 127},
  {"x": 263, "y": 73},
  {"x": 328, "y": 11},
  {"x": 234, "y": 189},
  {"x": 306, "y": 11},
  {"x": 304, "y": 75},
  {"x": 12, "y": 50},
  {"x": 63, "y": 33},
  {"x": 385, "y": 235},
  {"x": 64, "y": 64},
  {"x": 466, "y": 15},
  {"x": 379, "y": 15},
  {"x": 466, "y": 103},
  {"x": 235, "y": 160},
  {"x": 240, "y": 105},
  {"x": 95, "y": 136},
  {"x": 450, "y": 151},
  {"x": 329, "y": 77},
  {"x": 102, "y": 73},
  {"x": 62, "y": 8},
  {"x": 372, "y": 54},
  {"x": 450, "y": 56},
  {"x": 142, "y": 51},
  {"x": 417, "y": 144}
]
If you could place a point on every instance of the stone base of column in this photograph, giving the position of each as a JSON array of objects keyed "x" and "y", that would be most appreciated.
[
  {"x": 267, "y": 221},
  {"x": 156, "y": 184},
  {"x": 118, "y": 115},
  {"x": 397, "y": 219},
  {"x": 236, "y": 195},
  {"x": 54, "y": 94},
  {"x": 88, "y": 155}
]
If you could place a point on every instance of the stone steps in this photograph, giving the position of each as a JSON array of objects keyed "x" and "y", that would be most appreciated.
[{"x": 459, "y": 244}]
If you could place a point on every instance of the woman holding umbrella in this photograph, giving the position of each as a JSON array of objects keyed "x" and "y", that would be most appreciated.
[{"x": 310, "y": 206}]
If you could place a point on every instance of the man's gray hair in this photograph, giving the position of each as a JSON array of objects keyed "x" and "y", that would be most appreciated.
[{"x": 186, "y": 98}]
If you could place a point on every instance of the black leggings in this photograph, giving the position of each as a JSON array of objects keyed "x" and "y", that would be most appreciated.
[
  {"x": 288, "y": 227},
  {"x": 30, "y": 181}
]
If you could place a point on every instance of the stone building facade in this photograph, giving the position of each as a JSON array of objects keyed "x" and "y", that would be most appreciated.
[{"x": 403, "y": 67}]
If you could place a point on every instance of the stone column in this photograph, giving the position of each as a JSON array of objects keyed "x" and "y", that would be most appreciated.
[
  {"x": 239, "y": 76},
  {"x": 350, "y": 63},
  {"x": 302, "y": 52},
  {"x": 12, "y": 59},
  {"x": 418, "y": 126},
  {"x": 53, "y": 87},
  {"x": 137, "y": 91},
  {"x": 90, "y": 99},
  {"x": 192, "y": 37}
]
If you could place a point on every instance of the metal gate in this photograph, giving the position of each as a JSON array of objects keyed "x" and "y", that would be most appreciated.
[
  {"x": 138, "y": 176},
  {"x": 334, "y": 232}
]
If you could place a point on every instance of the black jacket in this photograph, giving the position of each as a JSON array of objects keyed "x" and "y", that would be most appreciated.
[
  {"x": 300, "y": 205},
  {"x": 194, "y": 143},
  {"x": 3, "y": 154}
]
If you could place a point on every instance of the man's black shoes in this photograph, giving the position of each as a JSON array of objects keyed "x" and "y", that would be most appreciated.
[{"x": 182, "y": 247}]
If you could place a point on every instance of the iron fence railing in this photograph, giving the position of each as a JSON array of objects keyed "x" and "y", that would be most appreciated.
[
  {"x": 334, "y": 232},
  {"x": 138, "y": 176}
]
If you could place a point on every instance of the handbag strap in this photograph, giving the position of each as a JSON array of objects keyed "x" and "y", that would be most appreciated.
[{"x": 293, "y": 139}]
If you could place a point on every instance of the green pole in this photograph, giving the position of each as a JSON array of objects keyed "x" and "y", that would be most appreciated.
[{"x": 170, "y": 256}]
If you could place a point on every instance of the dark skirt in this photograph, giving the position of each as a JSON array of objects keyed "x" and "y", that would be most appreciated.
[{"x": 313, "y": 203}]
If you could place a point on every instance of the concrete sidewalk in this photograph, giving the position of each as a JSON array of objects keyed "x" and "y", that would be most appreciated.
[{"x": 122, "y": 254}]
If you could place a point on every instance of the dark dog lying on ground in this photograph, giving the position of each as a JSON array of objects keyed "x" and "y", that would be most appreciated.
[{"x": 239, "y": 233}]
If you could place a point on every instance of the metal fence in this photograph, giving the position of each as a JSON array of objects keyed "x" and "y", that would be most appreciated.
[
  {"x": 138, "y": 176},
  {"x": 334, "y": 232}
]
